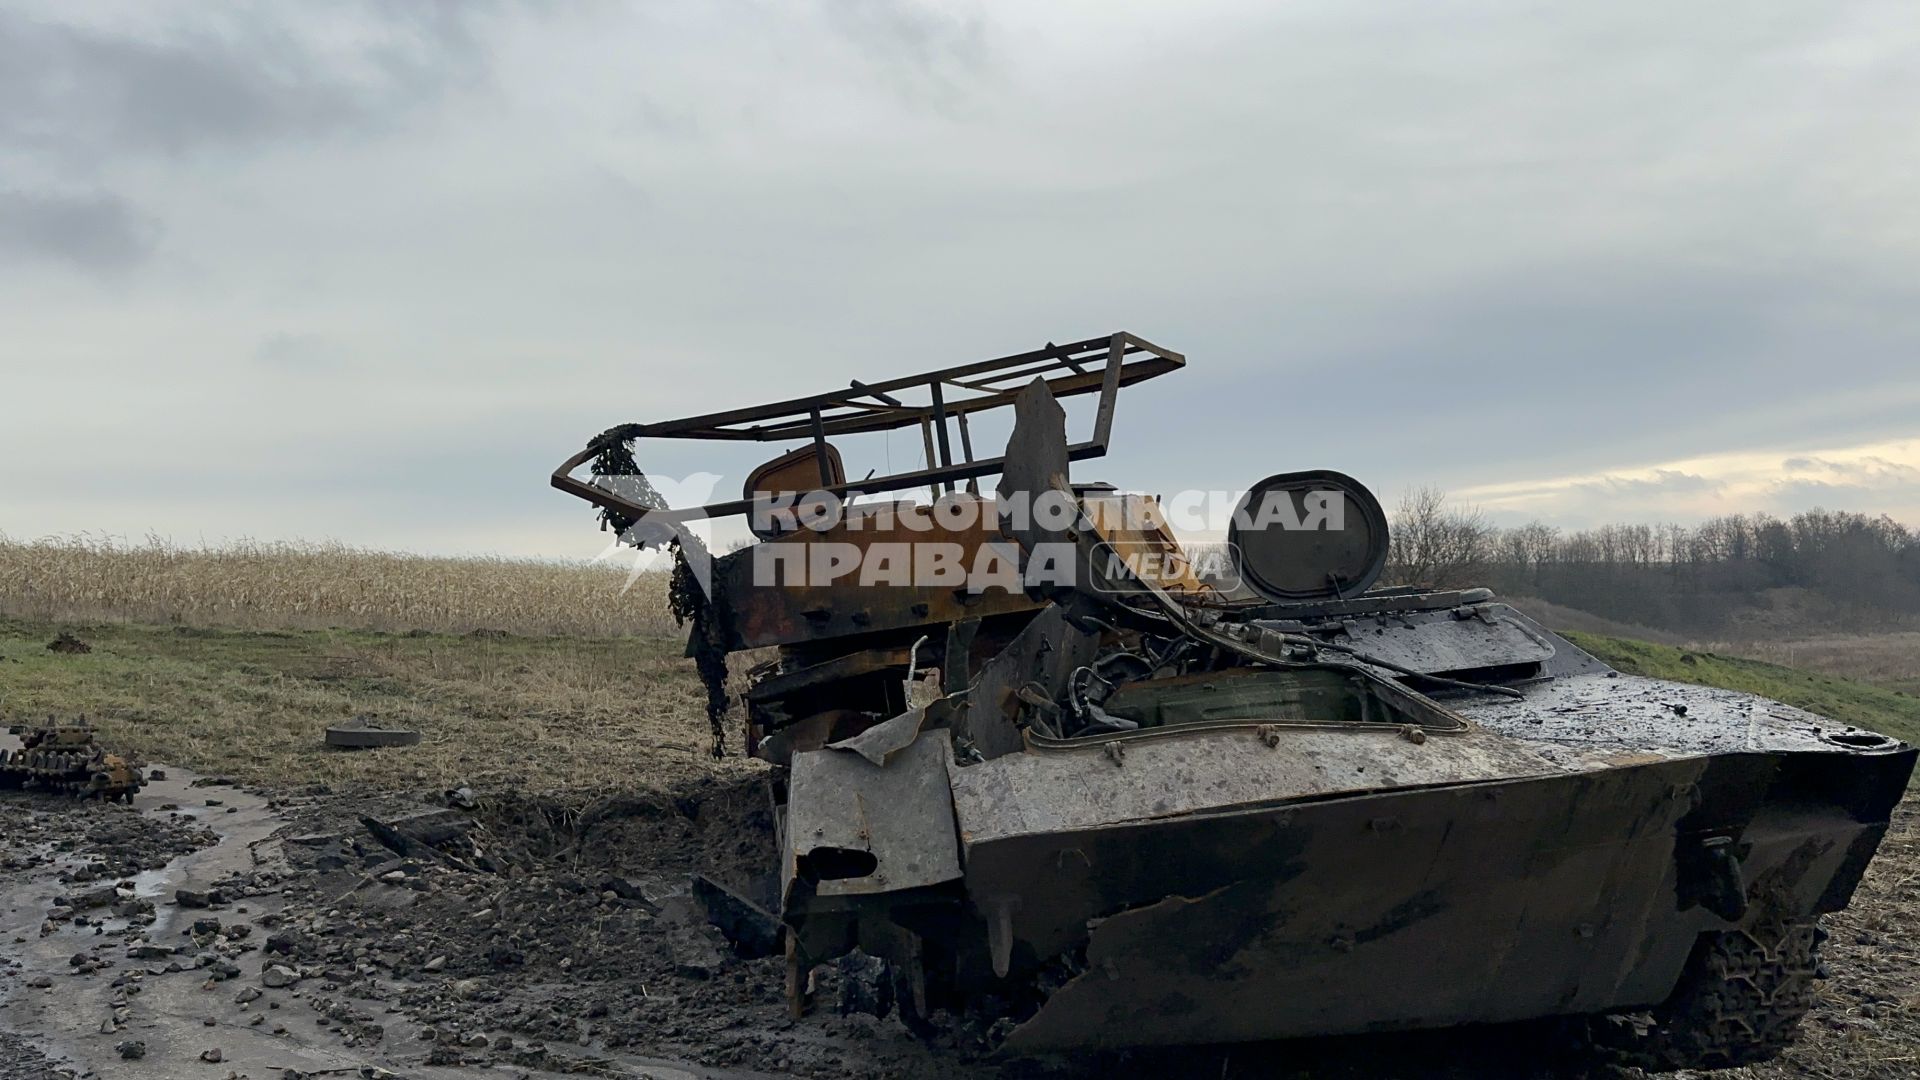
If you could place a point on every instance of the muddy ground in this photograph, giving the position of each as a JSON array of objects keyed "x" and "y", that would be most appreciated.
[{"x": 210, "y": 931}]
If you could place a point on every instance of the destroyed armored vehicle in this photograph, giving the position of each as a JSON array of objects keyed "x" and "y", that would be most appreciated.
[{"x": 1109, "y": 800}]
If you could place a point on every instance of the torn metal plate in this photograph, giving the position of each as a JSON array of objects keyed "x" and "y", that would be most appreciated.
[
  {"x": 879, "y": 743},
  {"x": 855, "y": 828},
  {"x": 1040, "y": 658}
]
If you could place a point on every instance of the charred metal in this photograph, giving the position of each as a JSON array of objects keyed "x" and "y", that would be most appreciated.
[
  {"x": 64, "y": 757},
  {"x": 1120, "y": 808}
]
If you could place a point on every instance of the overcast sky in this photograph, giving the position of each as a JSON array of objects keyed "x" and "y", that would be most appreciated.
[{"x": 368, "y": 271}]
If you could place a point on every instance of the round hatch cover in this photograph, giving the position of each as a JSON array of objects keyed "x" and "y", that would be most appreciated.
[{"x": 1314, "y": 535}]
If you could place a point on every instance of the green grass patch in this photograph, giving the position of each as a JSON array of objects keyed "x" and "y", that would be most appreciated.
[
  {"x": 541, "y": 713},
  {"x": 1876, "y": 708}
]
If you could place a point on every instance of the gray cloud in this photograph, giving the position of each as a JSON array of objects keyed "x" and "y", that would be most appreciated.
[
  {"x": 1794, "y": 496},
  {"x": 1459, "y": 246},
  {"x": 922, "y": 46},
  {"x": 223, "y": 76},
  {"x": 1584, "y": 361},
  {"x": 87, "y": 98},
  {"x": 302, "y": 353},
  {"x": 96, "y": 231},
  {"x": 1663, "y": 482},
  {"x": 1865, "y": 472}
]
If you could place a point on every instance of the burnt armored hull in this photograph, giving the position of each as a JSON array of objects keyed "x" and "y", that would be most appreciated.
[
  {"x": 1563, "y": 853},
  {"x": 1138, "y": 804},
  {"x": 1353, "y": 882}
]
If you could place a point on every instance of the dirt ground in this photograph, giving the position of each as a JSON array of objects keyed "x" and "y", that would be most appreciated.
[
  {"x": 274, "y": 931},
  {"x": 1867, "y": 1021},
  {"x": 263, "y": 930}
]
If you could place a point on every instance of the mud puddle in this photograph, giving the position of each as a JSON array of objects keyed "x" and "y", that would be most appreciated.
[
  {"x": 158, "y": 940},
  {"x": 541, "y": 938}
]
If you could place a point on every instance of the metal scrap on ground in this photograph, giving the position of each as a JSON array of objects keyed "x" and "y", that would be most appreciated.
[
  {"x": 64, "y": 757},
  {"x": 363, "y": 734}
]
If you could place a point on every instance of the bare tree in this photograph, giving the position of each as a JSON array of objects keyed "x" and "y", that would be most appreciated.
[
  {"x": 1438, "y": 545},
  {"x": 1534, "y": 545}
]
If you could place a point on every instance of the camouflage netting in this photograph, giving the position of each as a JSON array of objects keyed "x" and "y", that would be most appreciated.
[
  {"x": 613, "y": 461},
  {"x": 687, "y": 599},
  {"x": 691, "y": 603}
]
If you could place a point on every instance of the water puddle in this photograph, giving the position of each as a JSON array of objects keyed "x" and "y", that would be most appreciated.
[{"x": 70, "y": 1017}]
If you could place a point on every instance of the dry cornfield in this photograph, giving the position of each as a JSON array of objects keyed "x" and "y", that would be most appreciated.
[{"x": 305, "y": 585}]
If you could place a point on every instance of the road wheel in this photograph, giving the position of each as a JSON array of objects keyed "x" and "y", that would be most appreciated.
[{"x": 1739, "y": 1000}]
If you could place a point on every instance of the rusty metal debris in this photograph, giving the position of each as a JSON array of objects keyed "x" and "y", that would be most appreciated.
[
  {"x": 363, "y": 734},
  {"x": 1136, "y": 804},
  {"x": 64, "y": 757}
]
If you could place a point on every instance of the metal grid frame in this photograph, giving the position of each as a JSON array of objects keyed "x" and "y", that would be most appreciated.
[{"x": 1096, "y": 365}]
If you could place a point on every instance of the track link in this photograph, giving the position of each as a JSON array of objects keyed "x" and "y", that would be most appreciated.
[{"x": 1739, "y": 1001}]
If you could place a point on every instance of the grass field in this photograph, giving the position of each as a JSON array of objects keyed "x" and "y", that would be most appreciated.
[
  {"x": 1890, "y": 659},
  {"x": 554, "y": 714},
  {"x": 235, "y": 660}
]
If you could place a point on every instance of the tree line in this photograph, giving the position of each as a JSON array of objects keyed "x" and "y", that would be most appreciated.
[{"x": 1856, "y": 571}]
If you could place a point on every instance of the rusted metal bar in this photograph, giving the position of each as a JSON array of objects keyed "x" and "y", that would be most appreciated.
[
  {"x": 926, "y": 436},
  {"x": 820, "y": 449},
  {"x": 882, "y": 419},
  {"x": 1109, "y": 383},
  {"x": 872, "y": 393},
  {"x": 940, "y": 430},
  {"x": 966, "y": 450},
  {"x": 873, "y": 485},
  {"x": 729, "y": 417},
  {"x": 787, "y": 414},
  {"x": 991, "y": 383},
  {"x": 809, "y": 418}
]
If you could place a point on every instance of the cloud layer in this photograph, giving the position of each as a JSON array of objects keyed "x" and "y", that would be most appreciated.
[
  {"x": 368, "y": 270},
  {"x": 1881, "y": 477}
]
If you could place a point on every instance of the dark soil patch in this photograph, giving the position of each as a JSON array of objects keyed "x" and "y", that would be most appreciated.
[
  {"x": 65, "y": 642},
  {"x": 104, "y": 843},
  {"x": 556, "y": 934}
]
